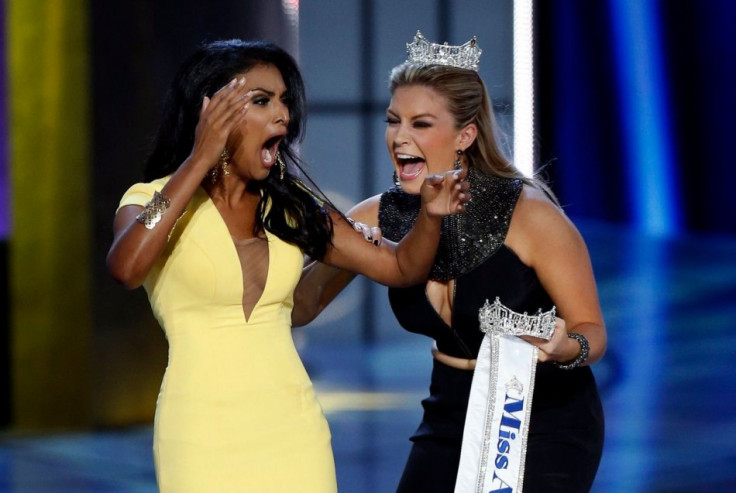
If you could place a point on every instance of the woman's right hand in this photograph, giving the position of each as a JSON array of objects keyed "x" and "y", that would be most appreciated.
[
  {"x": 135, "y": 249},
  {"x": 445, "y": 193},
  {"x": 217, "y": 118}
]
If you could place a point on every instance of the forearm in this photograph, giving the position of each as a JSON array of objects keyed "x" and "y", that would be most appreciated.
[
  {"x": 415, "y": 253},
  {"x": 596, "y": 336},
  {"x": 318, "y": 286}
]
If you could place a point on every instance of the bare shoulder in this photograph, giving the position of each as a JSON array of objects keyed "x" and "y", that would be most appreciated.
[
  {"x": 538, "y": 224},
  {"x": 366, "y": 211},
  {"x": 535, "y": 209}
]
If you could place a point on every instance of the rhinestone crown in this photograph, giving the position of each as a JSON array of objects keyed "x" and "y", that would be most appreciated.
[
  {"x": 499, "y": 319},
  {"x": 423, "y": 52}
]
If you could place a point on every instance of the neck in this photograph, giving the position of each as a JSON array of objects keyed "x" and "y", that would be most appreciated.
[{"x": 231, "y": 191}]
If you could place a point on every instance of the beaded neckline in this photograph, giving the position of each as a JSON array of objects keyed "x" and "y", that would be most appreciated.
[{"x": 466, "y": 239}]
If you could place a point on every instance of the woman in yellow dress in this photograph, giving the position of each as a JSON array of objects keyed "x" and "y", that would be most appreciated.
[{"x": 217, "y": 235}]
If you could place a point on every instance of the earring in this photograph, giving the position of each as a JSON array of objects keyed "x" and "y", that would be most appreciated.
[
  {"x": 458, "y": 161},
  {"x": 224, "y": 163},
  {"x": 282, "y": 165},
  {"x": 396, "y": 179},
  {"x": 222, "y": 168}
]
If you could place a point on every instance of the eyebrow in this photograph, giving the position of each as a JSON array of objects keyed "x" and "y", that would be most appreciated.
[
  {"x": 269, "y": 93},
  {"x": 422, "y": 115}
]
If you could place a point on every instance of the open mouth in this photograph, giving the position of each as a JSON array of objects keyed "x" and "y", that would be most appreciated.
[
  {"x": 410, "y": 166},
  {"x": 269, "y": 150}
]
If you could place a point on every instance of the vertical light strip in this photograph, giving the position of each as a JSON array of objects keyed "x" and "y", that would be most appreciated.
[
  {"x": 50, "y": 261},
  {"x": 4, "y": 168},
  {"x": 642, "y": 88},
  {"x": 523, "y": 87},
  {"x": 291, "y": 11}
]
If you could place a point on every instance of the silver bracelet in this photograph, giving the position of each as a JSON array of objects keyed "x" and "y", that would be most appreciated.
[
  {"x": 582, "y": 355},
  {"x": 153, "y": 210}
]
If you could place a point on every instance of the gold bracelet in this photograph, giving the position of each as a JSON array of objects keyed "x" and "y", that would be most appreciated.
[{"x": 153, "y": 210}]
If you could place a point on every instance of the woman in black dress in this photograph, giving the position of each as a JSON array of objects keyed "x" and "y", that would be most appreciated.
[{"x": 513, "y": 243}]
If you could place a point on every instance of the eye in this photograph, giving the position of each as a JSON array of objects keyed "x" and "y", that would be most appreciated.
[
  {"x": 421, "y": 124},
  {"x": 391, "y": 121},
  {"x": 261, "y": 100}
]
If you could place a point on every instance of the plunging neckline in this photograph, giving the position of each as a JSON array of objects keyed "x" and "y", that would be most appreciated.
[
  {"x": 232, "y": 242},
  {"x": 454, "y": 290},
  {"x": 451, "y": 326}
]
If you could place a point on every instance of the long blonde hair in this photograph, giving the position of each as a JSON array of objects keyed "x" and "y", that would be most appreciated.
[{"x": 468, "y": 102}]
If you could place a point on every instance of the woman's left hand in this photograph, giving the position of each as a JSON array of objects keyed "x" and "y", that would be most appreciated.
[
  {"x": 445, "y": 193},
  {"x": 556, "y": 349},
  {"x": 371, "y": 234}
]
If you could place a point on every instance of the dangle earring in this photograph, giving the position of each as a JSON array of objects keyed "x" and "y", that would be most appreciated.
[
  {"x": 222, "y": 168},
  {"x": 224, "y": 163},
  {"x": 396, "y": 179},
  {"x": 282, "y": 165},
  {"x": 458, "y": 164}
]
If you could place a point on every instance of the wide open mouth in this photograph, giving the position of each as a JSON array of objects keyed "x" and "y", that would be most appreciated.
[
  {"x": 410, "y": 166},
  {"x": 269, "y": 150}
]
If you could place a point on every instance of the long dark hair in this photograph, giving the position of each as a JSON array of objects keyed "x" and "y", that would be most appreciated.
[{"x": 288, "y": 209}]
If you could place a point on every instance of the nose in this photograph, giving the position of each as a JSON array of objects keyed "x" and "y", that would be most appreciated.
[
  {"x": 282, "y": 114},
  {"x": 400, "y": 136}
]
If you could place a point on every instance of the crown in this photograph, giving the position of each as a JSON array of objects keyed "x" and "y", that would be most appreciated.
[
  {"x": 499, "y": 319},
  {"x": 423, "y": 52},
  {"x": 515, "y": 385}
]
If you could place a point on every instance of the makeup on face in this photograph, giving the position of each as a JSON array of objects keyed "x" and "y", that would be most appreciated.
[{"x": 420, "y": 135}]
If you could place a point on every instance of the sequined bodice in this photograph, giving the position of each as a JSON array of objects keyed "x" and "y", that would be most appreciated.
[
  {"x": 466, "y": 239},
  {"x": 473, "y": 253}
]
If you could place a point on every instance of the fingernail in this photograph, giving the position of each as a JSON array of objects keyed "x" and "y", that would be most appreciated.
[{"x": 375, "y": 242}]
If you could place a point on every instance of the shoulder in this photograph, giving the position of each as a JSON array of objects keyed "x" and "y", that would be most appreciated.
[
  {"x": 539, "y": 225},
  {"x": 535, "y": 208},
  {"x": 366, "y": 211},
  {"x": 141, "y": 193}
]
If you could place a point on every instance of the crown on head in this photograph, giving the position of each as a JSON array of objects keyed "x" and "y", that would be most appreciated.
[
  {"x": 500, "y": 319},
  {"x": 423, "y": 52}
]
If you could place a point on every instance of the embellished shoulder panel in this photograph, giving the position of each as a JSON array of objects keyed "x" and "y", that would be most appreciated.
[{"x": 466, "y": 239}]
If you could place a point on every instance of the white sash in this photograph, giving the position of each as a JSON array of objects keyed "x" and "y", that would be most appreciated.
[{"x": 497, "y": 420}]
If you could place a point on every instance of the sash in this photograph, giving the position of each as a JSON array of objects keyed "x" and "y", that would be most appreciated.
[{"x": 497, "y": 421}]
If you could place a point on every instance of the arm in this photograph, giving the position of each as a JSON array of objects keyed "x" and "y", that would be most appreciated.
[
  {"x": 546, "y": 240},
  {"x": 408, "y": 262},
  {"x": 318, "y": 286},
  {"x": 321, "y": 283},
  {"x": 135, "y": 248},
  {"x": 403, "y": 264}
]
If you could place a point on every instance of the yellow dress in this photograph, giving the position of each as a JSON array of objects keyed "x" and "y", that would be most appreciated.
[{"x": 236, "y": 411}]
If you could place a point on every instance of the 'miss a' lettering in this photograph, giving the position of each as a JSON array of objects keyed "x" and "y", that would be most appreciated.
[
  {"x": 508, "y": 430},
  {"x": 503, "y": 487}
]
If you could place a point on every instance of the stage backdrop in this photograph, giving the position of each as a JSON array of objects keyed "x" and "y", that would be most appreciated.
[{"x": 635, "y": 102}]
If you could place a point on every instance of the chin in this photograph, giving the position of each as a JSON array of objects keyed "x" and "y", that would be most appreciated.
[{"x": 412, "y": 186}]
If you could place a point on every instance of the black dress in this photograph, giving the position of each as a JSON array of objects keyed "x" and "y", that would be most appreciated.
[{"x": 566, "y": 426}]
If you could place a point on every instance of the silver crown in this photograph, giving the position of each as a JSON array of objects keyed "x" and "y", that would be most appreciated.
[
  {"x": 499, "y": 319},
  {"x": 423, "y": 52},
  {"x": 515, "y": 385}
]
